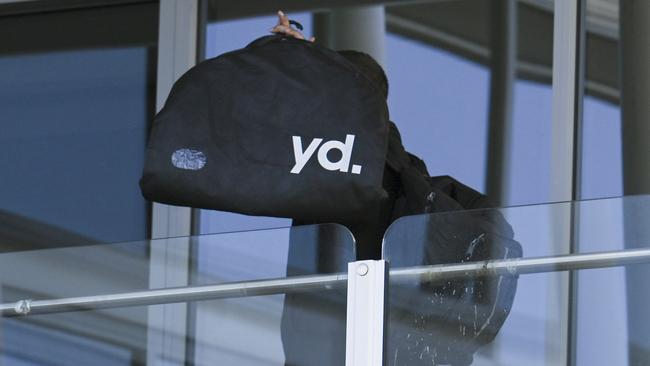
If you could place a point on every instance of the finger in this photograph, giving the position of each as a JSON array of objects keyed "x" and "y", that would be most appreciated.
[
  {"x": 282, "y": 29},
  {"x": 277, "y": 29},
  {"x": 297, "y": 34},
  {"x": 281, "y": 18},
  {"x": 312, "y": 39},
  {"x": 284, "y": 19},
  {"x": 288, "y": 31}
]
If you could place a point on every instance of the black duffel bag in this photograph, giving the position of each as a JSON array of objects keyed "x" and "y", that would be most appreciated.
[
  {"x": 282, "y": 127},
  {"x": 445, "y": 322}
]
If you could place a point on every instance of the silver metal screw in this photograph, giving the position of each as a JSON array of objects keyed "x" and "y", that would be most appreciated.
[
  {"x": 362, "y": 269},
  {"x": 23, "y": 307}
]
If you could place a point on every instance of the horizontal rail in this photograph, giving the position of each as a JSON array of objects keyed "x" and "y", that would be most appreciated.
[
  {"x": 178, "y": 294},
  {"x": 431, "y": 273},
  {"x": 517, "y": 266}
]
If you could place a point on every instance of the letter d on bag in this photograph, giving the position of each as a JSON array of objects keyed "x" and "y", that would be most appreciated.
[{"x": 346, "y": 151}]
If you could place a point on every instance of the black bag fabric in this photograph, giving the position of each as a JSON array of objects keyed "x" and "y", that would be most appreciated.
[
  {"x": 313, "y": 321},
  {"x": 283, "y": 128},
  {"x": 434, "y": 323},
  {"x": 445, "y": 322}
]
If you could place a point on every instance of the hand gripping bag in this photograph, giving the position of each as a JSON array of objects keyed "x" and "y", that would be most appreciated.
[{"x": 282, "y": 127}]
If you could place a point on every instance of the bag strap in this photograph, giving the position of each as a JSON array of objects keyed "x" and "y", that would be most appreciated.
[{"x": 418, "y": 195}]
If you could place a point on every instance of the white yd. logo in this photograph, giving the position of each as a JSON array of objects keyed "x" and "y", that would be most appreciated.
[{"x": 302, "y": 157}]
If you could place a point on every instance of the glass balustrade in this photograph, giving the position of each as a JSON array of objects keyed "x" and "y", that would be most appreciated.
[
  {"x": 480, "y": 287},
  {"x": 117, "y": 294},
  {"x": 300, "y": 328},
  {"x": 593, "y": 317}
]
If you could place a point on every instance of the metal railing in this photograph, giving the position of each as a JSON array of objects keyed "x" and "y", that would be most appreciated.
[{"x": 515, "y": 266}]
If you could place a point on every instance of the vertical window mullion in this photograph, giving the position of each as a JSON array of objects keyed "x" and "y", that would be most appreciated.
[{"x": 170, "y": 260}]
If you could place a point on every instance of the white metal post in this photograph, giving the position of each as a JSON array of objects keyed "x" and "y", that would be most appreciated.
[{"x": 364, "y": 338}]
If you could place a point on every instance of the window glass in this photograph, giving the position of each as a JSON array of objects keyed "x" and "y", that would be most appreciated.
[
  {"x": 74, "y": 126},
  {"x": 602, "y": 176},
  {"x": 75, "y": 105},
  {"x": 437, "y": 57},
  {"x": 439, "y": 102},
  {"x": 601, "y": 131},
  {"x": 602, "y": 168},
  {"x": 529, "y": 179},
  {"x": 440, "y": 56},
  {"x": 77, "y": 93}
]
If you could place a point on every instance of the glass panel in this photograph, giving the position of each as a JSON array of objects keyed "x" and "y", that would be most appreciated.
[
  {"x": 221, "y": 330},
  {"x": 76, "y": 95},
  {"x": 530, "y": 176},
  {"x": 298, "y": 328},
  {"x": 99, "y": 337},
  {"x": 602, "y": 163},
  {"x": 441, "y": 57},
  {"x": 611, "y": 324},
  {"x": 542, "y": 230},
  {"x": 529, "y": 179},
  {"x": 438, "y": 68},
  {"x": 505, "y": 321}
]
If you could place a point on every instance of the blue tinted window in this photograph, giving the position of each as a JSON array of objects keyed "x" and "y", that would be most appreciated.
[
  {"x": 602, "y": 160},
  {"x": 529, "y": 179},
  {"x": 439, "y": 101},
  {"x": 73, "y": 134}
]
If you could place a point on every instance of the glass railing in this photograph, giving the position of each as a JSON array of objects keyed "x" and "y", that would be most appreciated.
[
  {"x": 513, "y": 311},
  {"x": 481, "y": 287},
  {"x": 102, "y": 304},
  {"x": 297, "y": 327}
]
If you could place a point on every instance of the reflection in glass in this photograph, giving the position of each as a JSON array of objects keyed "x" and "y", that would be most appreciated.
[
  {"x": 532, "y": 326},
  {"x": 602, "y": 163},
  {"x": 223, "y": 329},
  {"x": 75, "y": 105},
  {"x": 106, "y": 337},
  {"x": 430, "y": 105},
  {"x": 531, "y": 148},
  {"x": 446, "y": 321},
  {"x": 439, "y": 89},
  {"x": 303, "y": 328}
]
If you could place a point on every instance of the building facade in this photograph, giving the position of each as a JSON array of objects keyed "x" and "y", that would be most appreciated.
[{"x": 543, "y": 105}]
